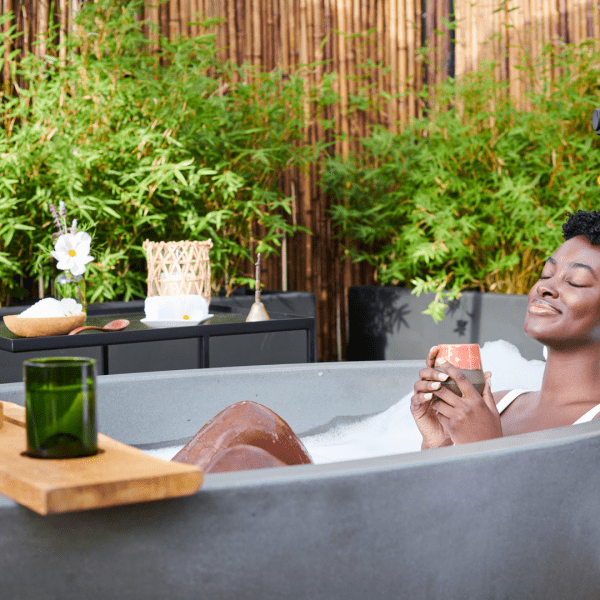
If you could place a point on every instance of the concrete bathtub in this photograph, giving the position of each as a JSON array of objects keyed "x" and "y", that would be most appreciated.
[{"x": 509, "y": 518}]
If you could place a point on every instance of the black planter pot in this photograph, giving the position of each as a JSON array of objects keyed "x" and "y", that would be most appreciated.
[{"x": 386, "y": 323}]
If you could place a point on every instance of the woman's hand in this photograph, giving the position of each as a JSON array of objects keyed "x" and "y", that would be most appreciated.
[
  {"x": 469, "y": 418},
  {"x": 423, "y": 401}
]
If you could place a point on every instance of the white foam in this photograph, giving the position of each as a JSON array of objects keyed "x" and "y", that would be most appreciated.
[
  {"x": 394, "y": 431},
  {"x": 164, "y": 453}
]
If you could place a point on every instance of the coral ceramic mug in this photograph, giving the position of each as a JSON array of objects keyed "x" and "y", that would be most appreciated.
[{"x": 465, "y": 357}]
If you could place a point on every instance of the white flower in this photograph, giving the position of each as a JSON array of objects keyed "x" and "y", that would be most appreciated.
[
  {"x": 70, "y": 307},
  {"x": 73, "y": 252},
  {"x": 188, "y": 307}
]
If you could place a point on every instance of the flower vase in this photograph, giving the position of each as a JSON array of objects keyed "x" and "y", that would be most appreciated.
[{"x": 67, "y": 285}]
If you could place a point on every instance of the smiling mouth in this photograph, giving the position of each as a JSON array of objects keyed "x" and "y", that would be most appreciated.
[{"x": 539, "y": 307}]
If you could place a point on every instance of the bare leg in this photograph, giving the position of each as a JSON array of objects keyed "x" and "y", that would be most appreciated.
[
  {"x": 240, "y": 425},
  {"x": 243, "y": 458}
]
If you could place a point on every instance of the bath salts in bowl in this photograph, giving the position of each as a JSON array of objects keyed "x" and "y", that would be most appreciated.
[
  {"x": 49, "y": 308},
  {"x": 46, "y": 317},
  {"x": 42, "y": 326}
]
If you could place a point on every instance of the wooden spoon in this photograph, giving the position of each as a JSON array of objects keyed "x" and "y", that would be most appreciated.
[{"x": 112, "y": 326}]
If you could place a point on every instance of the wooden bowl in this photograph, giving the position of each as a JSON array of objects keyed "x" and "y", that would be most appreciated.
[{"x": 36, "y": 327}]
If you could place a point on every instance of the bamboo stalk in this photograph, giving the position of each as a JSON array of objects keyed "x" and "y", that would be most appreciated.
[
  {"x": 319, "y": 38},
  {"x": 220, "y": 12},
  {"x": 572, "y": 23},
  {"x": 549, "y": 34},
  {"x": 6, "y": 78},
  {"x": 304, "y": 205},
  {"x": 587, "y": 8},
  {"x": 462, "y": 9},
  {"x": 411, "y": 42},
  {"x": 256, "y": 22},
  {"x": 360, "y": 55},
  {"x": 393, "y": 63},
  {"x": 504, "y": 42},
  {"x": 152, "y": 15},
  {"x": 62, "y": 31},
  {"x": 419, "y": 69},
  {"x": 163, "y": 19},
  {"x": 292, "y": 20},
  {"x": 438, "y": 40},
  {"x": 579, "y": 24},
  {"x": 26, "y": 37},
  {"x": 342, "y": 78},
  {"x": 272, "y": 33},
  {"x": 356, "y": 65},
  {"x": 496, "y": 8},
  {"x": 583, "y": 19},
  {"x": 368, "y": 8},
  {"x": 185, "y": 9},
  {"x": 231, "y": 31},
  {"x": 42, "y": 27},
  {"x": 194, "y": 14},
  {"x": 388, "y": 36},
  {"x": 284, "y": 29},
  {"x": 471, "y": 46},
  {"x": 541, "y": 40},
  {"x": 246, "y": 7},
  {"x": 379, "y": 54},
  {"x": 335, "y": 68},
  {"x": 518, "y": 41},
  {"x": 445, "y": 41},
  {"x": 512, "y": 35},
  {"x": 174, "y": 22},
  {"x": 264, "y": 42}
]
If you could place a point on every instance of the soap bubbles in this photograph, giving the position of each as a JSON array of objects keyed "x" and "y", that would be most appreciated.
[{"x": 395, "y": 432}]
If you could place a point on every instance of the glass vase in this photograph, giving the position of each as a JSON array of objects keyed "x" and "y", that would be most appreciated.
[
  {"x": 67, "y": 285},
  {"x": 60, "y": 403}
]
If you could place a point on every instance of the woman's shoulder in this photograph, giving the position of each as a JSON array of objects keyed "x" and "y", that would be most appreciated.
[{"x": 498, "y": 396}]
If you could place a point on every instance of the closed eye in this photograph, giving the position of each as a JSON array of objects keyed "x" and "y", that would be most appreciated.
[{"x": 571, "y": 284}]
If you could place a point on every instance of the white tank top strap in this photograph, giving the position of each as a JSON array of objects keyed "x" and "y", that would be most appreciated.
[
  {"x": 589, "y": 415},
  {"x": 508, "y": 398}
]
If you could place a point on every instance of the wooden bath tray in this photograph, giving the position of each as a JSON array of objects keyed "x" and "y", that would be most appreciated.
[{"x": 119, "y": 474}]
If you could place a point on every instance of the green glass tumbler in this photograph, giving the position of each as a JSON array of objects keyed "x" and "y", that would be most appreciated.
[{"x": 60, "y": 405}]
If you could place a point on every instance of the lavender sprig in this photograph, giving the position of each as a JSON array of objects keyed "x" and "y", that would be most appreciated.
[
  {"x": 62, "y": 211},
  {"x": 56, "y": 221},
  {"x": 74, "y": 227}
]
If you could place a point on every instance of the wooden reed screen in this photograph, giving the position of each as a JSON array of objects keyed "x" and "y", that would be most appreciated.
[{"x": 346, "y": 34}]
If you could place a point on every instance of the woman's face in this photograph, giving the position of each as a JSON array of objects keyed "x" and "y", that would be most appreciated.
[{"x": 564, "y": 305}]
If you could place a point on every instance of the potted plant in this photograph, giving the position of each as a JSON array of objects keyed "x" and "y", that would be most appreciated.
[
  {"x": 470, "y": 198},
  {"x": 167, "y": 146}
]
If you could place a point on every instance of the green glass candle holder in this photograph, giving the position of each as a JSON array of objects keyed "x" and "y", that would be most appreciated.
[{"x": 60, "y": 403}]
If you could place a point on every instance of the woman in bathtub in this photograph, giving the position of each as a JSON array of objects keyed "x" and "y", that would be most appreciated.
[{"x": 563, "y": 313}]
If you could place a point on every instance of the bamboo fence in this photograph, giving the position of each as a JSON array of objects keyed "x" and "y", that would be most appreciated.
[{"x": 345, "y": 37}]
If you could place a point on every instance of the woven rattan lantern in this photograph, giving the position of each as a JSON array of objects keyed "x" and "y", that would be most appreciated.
[{"x": 177, "y": 268}]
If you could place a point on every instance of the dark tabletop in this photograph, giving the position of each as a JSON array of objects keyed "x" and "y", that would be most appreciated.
[{"x": 222, "y": 323}]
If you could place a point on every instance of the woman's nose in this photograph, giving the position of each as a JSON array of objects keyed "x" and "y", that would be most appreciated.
[{"x": 547, "y": 287}]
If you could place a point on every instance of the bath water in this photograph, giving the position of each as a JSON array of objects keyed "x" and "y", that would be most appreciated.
[{"x": 394, "y": 431}]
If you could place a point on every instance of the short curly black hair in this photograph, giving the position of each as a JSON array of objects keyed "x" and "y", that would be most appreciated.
[{"x": 583, "y": 223}]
